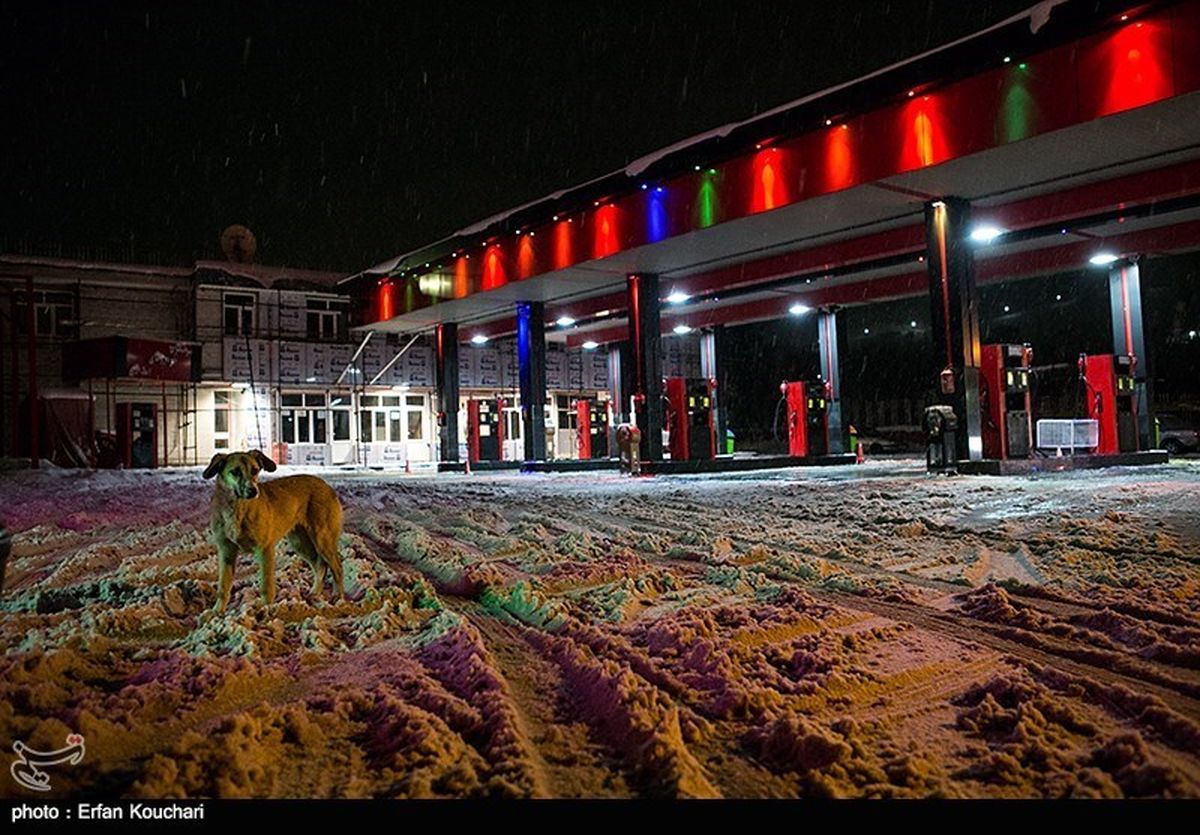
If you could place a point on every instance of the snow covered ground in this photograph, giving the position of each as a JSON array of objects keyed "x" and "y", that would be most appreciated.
[{"x": 850, "y": 631}]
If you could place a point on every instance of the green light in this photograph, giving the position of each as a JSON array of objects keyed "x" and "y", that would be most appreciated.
[
  {"x": 706, "y": 203},
  {"x": 1022, "y": 66},
  {"x": 1017, "y": 112}
]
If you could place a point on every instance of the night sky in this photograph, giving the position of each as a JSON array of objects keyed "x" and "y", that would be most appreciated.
[{"x": 346, "y": 133}]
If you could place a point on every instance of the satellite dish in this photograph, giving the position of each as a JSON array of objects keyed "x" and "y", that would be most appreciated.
[{"x": 238, "y": 244}]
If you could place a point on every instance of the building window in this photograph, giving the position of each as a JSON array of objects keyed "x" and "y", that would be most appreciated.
[
  {"x": 392, "y": 419},
  {"x": 53, "y": 313},
  {"x": 239, "y": 314},
  {"x": 303, "y": 419},
  {"x": 326, "y": 318},
  {"x": 568, "y": 418},
  {"x": 339, "y": 413},
  {"x": 221, "y": 407},
  {"x": 512, "y": 424},
  {"x": 415, "y": 417}
]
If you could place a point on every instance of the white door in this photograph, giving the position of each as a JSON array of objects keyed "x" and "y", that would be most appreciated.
[
  {"x": 341, "y": 446},
  {"x": 514, "y": 439}
]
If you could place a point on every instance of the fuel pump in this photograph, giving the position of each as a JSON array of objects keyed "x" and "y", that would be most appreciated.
[
  {"x": 1111, "y": 400},
  {"x": 807, "y": 417},
  {"x": 1004, "y": 400},
  {"x": 592, "y": 427},
  {"x": 690, "y": 417},
  {"x": 485, "y": 429}
]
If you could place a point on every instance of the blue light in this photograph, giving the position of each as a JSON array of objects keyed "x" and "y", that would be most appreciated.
[
  {"x": 656, "y": 214},
  {"x": 524, "y": 335}
]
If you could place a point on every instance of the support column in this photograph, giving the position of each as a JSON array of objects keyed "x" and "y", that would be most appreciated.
[
  {"x": 955, "y": 317},
  {"x": 710, "y": 370},
  {"x": 827, "y": 345},
  {"x": 531, "y": 359},
  {"x": 446, "y": 373},
  {"x": 645, "y": 345},
  {"x": 1125, "y": 295},
  {"x": 616, "y": 387}
]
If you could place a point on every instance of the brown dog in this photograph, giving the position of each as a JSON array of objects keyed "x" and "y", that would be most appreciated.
[{"x": 248, "y": 516}]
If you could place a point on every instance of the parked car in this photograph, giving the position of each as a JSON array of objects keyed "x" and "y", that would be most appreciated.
[
  {"x": 1177, "y": 433},
  {"x": 891, "y": 440}
]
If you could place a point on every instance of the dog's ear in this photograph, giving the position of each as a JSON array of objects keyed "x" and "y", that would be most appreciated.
[
  {"x": 214, "y": 466},
  {"x": 263, "y": 461}
]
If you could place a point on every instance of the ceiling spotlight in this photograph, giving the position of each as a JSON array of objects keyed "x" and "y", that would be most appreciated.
[
  {"x": 986, "y": 233},
  {"x": 590, "y": 345},
  {"x": 799, "y": 309},
  {"x": 866, "y": 330},
  {"x": 555, "y": 218},
  {"x": 479, "y": 339},
  {"x": 564, "y": 321},
  {"x": 1102, "y": 259},
  {"x": 1058, "y": 297},
  {"x": 682, "y": 329},
  {"x": 913, "y": 323},
  {"x": 677, "y": 297},
  {"x": 1007, "y": 308}
]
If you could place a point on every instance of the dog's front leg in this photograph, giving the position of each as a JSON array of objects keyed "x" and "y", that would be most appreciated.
[
  {"x": 226, "y": 556},
  {"x": 266, "y": 573}
]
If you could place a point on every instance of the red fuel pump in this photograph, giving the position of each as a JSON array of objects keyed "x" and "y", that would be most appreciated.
[
  {"x": 485, "y": 429},
  {"x": 808, "y": 417},
  {"x": 1112, "y": 400},
  {"x": 1004, "y": 400},
  {"x": 137, "y": 434},
  {"x": 690, "y": 417},
  {"x": 592, "y": 427}
]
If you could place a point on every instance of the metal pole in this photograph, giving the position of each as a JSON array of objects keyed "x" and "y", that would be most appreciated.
[
  {"x": 16, "y": 378},
  {"x": 163, "y": 426},
  {"x": 392, "y": 361},
  {"x": 13, "y": 324},
  {"x": 30, "y": 319},
  {"x": 354, "y": 358}
]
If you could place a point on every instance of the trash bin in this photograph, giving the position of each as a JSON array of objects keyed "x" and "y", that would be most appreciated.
[
  {"x": 941, "y": 441},
  {"x": 729, "y": 441}
]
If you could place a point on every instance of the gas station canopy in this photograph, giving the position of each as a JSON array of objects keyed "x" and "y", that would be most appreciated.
[{"x": 1068, "y": 136}]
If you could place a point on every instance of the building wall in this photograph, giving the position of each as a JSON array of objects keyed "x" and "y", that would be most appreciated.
[{"x": 105, "y": 303}]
